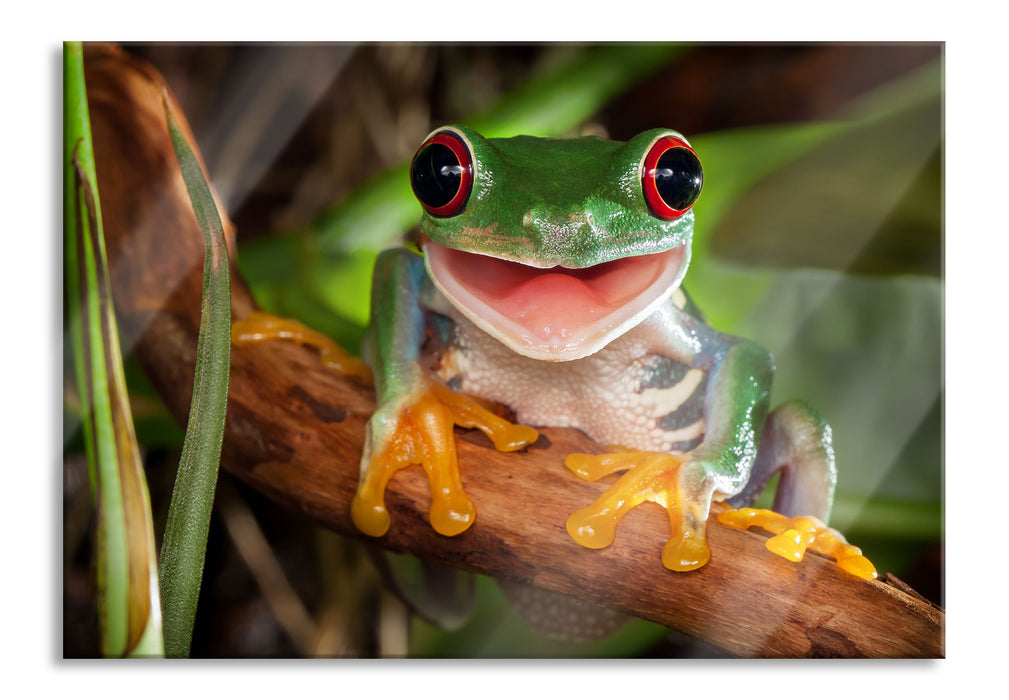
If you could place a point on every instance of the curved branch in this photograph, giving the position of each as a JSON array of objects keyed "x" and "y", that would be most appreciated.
[{"x": 295, "y": 432}]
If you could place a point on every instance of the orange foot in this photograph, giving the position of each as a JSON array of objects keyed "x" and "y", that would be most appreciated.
[
  {"x": 651, "y": 476},
  {"x": 794, "y": 535},
  {"x": 418, "y": 430},
  {"x": 260, "y": 326}
]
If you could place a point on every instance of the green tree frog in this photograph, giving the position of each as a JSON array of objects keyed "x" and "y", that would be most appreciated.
[{"x": 549, "y": 282}]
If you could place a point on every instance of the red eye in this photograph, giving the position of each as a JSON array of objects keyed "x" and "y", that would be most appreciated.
[
  {"x": 441, "y": 174},
  {"x": 671, "y": 178}
]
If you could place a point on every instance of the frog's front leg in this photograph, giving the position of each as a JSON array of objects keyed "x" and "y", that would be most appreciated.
[
  {"x": 417, "y": 428},
  {"x": 679, "y": 483},
  {"x": 735, "y": 407},
  {"x": 416, "y": 413}
]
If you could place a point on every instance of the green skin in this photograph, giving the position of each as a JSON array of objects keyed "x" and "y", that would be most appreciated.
[
  {"x": 599, "y": 179},
  {"x": 526, "y": 193}
]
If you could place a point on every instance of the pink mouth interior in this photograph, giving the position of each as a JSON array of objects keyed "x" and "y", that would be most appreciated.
[{"x": 552, "y": 310}]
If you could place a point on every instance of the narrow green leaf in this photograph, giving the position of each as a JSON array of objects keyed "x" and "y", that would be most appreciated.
[
  {"x": 126, "y": 571},
  {"x": 184, "y": 548}
]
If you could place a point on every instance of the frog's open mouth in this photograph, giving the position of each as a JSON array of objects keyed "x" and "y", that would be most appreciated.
[{"x": 555, "y": 313}]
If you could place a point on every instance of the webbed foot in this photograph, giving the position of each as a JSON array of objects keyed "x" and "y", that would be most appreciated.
[
  {"x": 672, "y": 481},
  {"x": 260, "y": 326},
  {"x": 794, "y": 535},
  {"x": 419, "y": 430}
]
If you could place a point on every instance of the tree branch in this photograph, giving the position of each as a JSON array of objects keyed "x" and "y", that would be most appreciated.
[{"x": 295, "y": 432}]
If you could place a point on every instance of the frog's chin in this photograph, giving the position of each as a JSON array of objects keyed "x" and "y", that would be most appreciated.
[{"x": 555, "y": 313}]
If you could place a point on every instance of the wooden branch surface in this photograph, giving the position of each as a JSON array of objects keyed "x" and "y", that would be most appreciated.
[{"x": 295, "y": 432}]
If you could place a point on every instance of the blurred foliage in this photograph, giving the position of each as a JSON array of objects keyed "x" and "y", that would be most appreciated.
[{"x": 819, "y": 234}]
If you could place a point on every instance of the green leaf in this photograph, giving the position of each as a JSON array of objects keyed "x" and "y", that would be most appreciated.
[
  {"x": 871, "y": 192},
  {"x": 815, "y": 194},
  {"x": 125, "y": 567},
  {"x": 184, "y": 548}
]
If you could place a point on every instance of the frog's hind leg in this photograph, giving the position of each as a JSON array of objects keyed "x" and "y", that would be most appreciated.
[{"x": 796, "y": 442}]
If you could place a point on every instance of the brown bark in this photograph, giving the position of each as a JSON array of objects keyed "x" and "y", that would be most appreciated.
[{"x": 295, "y": 432}]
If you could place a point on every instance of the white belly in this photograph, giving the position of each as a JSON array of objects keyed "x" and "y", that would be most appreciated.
[{"x": 621, "y": 395}]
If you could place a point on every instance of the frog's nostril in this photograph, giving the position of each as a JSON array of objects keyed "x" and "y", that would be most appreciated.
[{"x": 562, "y": 237}]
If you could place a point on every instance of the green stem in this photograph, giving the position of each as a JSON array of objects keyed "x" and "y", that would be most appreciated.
[{"x": 125, "y": 566}]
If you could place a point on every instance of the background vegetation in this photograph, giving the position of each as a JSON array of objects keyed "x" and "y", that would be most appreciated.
[{"x": 819, "y": 234}]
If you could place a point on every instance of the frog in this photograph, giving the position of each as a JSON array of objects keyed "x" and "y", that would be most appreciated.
[{"x": 547, "y": 278}]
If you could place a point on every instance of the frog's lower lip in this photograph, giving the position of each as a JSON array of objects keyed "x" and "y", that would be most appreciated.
[{"x": 555, "y": 313}]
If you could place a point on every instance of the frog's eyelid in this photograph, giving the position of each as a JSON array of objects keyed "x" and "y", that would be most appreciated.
[
  {"x": 670, "y": 191},
  {"x": 442, "y": 187}
]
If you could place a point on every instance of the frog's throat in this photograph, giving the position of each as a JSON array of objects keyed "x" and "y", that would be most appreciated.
[{"x": 555, "y": 313}]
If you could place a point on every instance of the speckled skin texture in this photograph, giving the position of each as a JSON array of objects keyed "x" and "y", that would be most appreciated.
[
  {"x": 587, "y": 212},
  {"x": 626, "y": 394}
]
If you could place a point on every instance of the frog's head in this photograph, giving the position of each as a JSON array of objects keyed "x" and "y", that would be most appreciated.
[{"x": 556, "y": 246}]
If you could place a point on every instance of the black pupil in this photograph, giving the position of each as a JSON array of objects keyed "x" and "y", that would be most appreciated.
[
  {"x": 437, "y": 175},
  {"x": 678, "y": 178}
]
